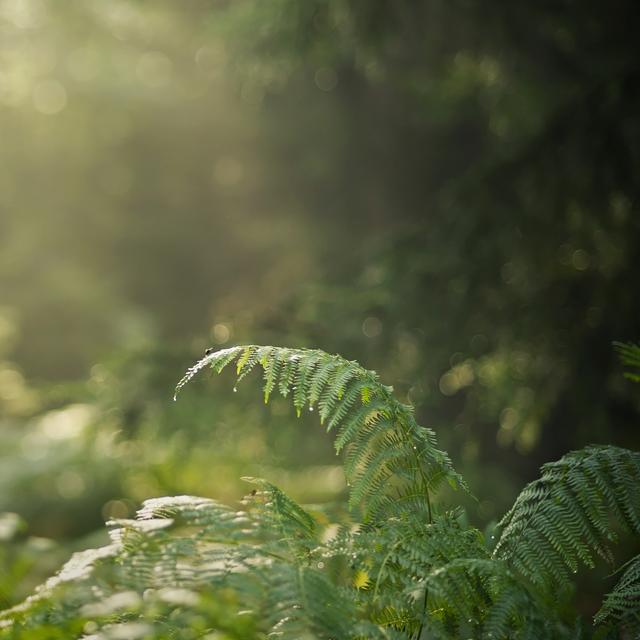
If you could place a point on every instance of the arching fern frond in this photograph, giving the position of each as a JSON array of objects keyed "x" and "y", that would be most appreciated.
[
  {"x": 388, "y": 455},
  {"x": 562, "y": 520}
]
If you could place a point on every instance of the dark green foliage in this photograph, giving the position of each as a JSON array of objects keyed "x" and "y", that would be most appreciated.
[
  {"x": 400, "y": 566},
  {"x": 630, "y": 356},
  {"x": 623, "y": 603},
  {"x": 563, "y": 518}
]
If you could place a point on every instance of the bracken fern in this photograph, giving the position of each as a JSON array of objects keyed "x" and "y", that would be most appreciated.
[{"x": 402, "y": 567}]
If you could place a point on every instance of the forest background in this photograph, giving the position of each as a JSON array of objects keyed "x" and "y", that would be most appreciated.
[{"x": 445, "y": 191}]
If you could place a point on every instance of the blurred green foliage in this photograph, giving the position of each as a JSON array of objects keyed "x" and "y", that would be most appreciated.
[{"x": 447, "y": 191}]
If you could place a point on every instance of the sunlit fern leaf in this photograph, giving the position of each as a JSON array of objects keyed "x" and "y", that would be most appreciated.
[
  {"x": 250, "y": 357},
  {"x": 189, "y": 543},
  {"x": 60, "y": 597},
  {"x": 214, "y": 522},
  {"x": 192, "y": 509},
  {"x": 371, "y": 414},
  {"x": 271, "y": 368},
  {"x": 320, "y": 379},
  {"x": 350, "y": 399},
  {"x": 622, "y": 605},
  {"x": 217, "y": 361},
  {"x": 630, "y": 356},
  {"x": 302, "y": 381},
  {"x": 353, "y": 400},
  {"x": 287, "y": 373},
  {"x": 560, "y": 520},
  {"x": 335, "y": 391},
  {"x": 369, "y": 435}
]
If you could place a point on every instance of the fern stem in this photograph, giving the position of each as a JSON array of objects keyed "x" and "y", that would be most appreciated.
[
  {"x": 405, "y": 429},
  {"x": 426, "y": 492},
  {"x": 424, "y": 611}
]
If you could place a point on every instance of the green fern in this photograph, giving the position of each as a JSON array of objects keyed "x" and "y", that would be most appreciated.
[
  {"x": 622, "y": 605},
  {"x": 393, "y": 465},
  {"x": 630, "y": 356},
  {"x": 562, "y": 520},
  {"x": 403, "y": 567}
]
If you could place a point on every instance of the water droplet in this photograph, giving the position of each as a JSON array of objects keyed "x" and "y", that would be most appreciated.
[
  {"x": 310, "y": 408},
  {"x": 235, "y": 389},
  {"x": 493, "y": 537}
]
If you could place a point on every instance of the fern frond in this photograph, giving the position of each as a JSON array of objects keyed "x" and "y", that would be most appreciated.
[
  {"x": 335, "y": 391},
  {"x": 562, "y": 519},
  {"x": 217, "y": 361},
  {"x": 249, "y": 358},
  {"x": 281, "y": 517},
  {"x": 372, "y": 413},
  {"x": 622, "y": 605},
  {"x": 481, "y": 598},
  {"x": 320, "y": 379},
  {"x": 398, "y": 557},
  {"x": 302, "y": 381},
  {"x": 629, "y": 354},
  {"x": 199, "y": 548},
  {"x": 390, "y": 455},
  {"x": 304, "y": 603},
  {"x": 271, "y": 367}
]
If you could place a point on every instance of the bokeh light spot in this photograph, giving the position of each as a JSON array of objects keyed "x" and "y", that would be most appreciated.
[
  {"x": 326, "y": 79},
  {"x": 221, "y": 332},
  {"x": 508, "y": 419},
  {"x": 448, "y": 384},
  {"x": 64, "y": 424},
  {"x": 70, "y": 484},
  {"x": 372, "y": 327},
  {"x": 580, "y": 260},
  {"x": 116, "y": 509}
]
